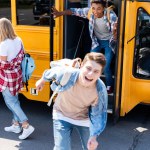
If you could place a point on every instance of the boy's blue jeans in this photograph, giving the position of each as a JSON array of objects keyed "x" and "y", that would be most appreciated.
[
  {"x": 13, "y": 104},
  {"x": 104, "y": 44},
  {"x": 62, "y": 135}
]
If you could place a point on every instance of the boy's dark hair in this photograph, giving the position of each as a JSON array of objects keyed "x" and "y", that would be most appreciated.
[
  {"x": 102, "y": 2},
  {"x": 97, "y": 57}
]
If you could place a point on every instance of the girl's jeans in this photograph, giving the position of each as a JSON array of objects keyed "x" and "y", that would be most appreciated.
[
  {"x": 13, "y": 104},
  {"x": 104, "y": 44},
  {"x": 62, "y": 135}
]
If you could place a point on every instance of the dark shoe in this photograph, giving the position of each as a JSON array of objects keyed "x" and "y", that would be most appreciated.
[{"x": 109, "y": 90}]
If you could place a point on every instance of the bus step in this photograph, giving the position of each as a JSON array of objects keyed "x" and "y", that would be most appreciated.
[
  {"x": 103, "y": 76},
  {"x": 109, "y": 111},
  {"x": 111, "y": 94}
]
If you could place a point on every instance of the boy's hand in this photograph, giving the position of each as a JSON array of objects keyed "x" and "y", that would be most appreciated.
[
  {"x": 76, "y": 63},
  {"x": 92, "y": 143},
  {"x": 40, "y": 84},
  {"x": 56, "y": 13}
]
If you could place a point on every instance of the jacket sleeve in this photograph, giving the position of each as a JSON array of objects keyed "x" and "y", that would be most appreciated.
[
  {"x": 98, "y": 114},
  {"x": 113, "y": 19},
  {"x": 53, "y": 73},
  {"x": 56, "y": 74},
  {"x": 4, "y": 65},
  {"x": 81, "y": 12},
  {"x": 14, "y": 63}
]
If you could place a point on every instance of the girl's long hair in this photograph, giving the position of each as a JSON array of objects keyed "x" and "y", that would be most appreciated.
[{"x": 6, "y": 30}]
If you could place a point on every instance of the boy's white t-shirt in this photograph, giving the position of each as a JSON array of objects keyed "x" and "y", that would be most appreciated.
[
  {"x": 101, "y": 30},
  {"x": 73, "y": 104},
  {"x": 10, "y": 48}
]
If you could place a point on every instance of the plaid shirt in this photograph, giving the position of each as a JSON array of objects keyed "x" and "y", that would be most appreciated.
[
  {"x": 11, "y": 74},
  {"x": 83, "y": 12}
]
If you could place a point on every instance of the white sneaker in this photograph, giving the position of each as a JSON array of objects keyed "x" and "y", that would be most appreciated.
[
  {"x": 26, "y": 132},
  {"x": 13, "y": 128}
]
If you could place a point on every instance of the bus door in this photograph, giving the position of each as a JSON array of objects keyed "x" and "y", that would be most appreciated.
[
  {"x": 136, "y": 74},
  {"x": 31, "y": 21},
  {"x": 77, "y": 41}
]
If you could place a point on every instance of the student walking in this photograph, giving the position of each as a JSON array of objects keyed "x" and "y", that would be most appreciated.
[
  {"x": 101, "y": 27},
  {"x": 11, "y": 56},
  {"x": 81, "y": 103}
]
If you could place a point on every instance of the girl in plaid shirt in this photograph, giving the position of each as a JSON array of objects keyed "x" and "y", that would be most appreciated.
[
  {"x": 11, "y": 56},
  {"x": 102, "y": 24}
]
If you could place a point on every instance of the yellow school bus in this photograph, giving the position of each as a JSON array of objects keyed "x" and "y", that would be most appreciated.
[{"x": 67, "y": 37}]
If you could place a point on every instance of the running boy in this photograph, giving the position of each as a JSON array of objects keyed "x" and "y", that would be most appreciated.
[
  {"x": 102, "y": 23},
  {"x": 80, "y": 104}
]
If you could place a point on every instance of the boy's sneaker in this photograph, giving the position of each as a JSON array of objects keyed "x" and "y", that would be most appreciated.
[
  {"x": 13, "y": 128},
  {"x": 26, "y": 132}
]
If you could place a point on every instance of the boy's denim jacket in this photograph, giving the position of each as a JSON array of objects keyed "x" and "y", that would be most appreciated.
[{"x": 97, "y": 113}]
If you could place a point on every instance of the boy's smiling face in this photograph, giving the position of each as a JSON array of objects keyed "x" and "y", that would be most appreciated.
[
  {"x": 90, "y": 72},
  {"x": 97, "y": 10}
]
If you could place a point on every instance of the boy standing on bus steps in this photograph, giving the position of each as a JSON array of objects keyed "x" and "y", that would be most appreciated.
[
  {"x": 81, "y": 103},
  {"x": 11, "y": 56},
  {"x": 101, "y": 28}
]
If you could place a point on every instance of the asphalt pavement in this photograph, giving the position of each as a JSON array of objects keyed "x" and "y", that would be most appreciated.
[{"x": 129, "y": 133}]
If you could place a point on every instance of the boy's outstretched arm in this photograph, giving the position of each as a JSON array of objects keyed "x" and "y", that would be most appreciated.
[
  {"x": 57, "y": 13},
  {"x": 49, "y": 75}
]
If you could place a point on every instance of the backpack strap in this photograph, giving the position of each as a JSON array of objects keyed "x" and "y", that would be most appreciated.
[
  {"x": 26, "y": 64},
  {"x": 26, "y": 84},
  {"x": 89, "y": 13},
  {"x": 110, "y": 8},
  {"x": 64, "y": 80}
]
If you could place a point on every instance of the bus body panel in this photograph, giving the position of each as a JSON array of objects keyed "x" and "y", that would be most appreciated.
[
  {"x": 134, "y": 90},
  {"x": 36, "y": 40}
]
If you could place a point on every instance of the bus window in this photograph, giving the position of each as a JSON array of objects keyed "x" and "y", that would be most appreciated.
[
  {"x": 84, "y": 3},
  {"x": 142, "y": 46},
  {"x": 33, "y": 12},
  {"x": 5, "y": 10}
]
